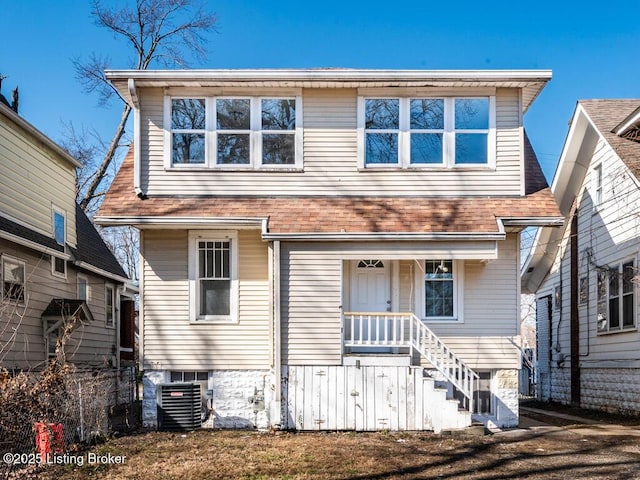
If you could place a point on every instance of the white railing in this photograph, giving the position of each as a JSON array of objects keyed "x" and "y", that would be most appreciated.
[{"x": 389, "y": 330}]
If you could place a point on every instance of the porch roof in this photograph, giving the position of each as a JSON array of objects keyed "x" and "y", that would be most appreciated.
[{"x": 333, "y": 214}]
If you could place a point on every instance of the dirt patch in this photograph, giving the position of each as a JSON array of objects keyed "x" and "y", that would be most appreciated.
[
  {"x": 596, "y": 415},
  {"x": 210, "y": 454}
]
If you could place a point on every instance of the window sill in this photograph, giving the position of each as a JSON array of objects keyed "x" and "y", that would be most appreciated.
[
  {"x": 212, "y": 321},
  {"x": 235, "y": 168},
  {"x": 616, "y": 332},
  {"x": 430, "y": 168},
  {"x": 442, "y": 320}
]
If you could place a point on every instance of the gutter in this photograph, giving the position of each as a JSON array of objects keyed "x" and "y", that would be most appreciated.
[
  {"x": 131, "y": 84},
  {"x": 337, "y": 237},
  {"x": 179, "y": 221},
  {"x": 33, "y": 245},
  {"x": 99, "y": 271}
]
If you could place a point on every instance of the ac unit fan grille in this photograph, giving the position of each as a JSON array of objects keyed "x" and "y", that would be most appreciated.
[{"x": 179, "y": 407}]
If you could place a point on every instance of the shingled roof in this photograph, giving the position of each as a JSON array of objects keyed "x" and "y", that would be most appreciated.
[
  {"x": 346, "y": 214},
  {"x": 606, "y": 115}
]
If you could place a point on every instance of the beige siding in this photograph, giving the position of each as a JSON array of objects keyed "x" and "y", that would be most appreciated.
[
  {"x": 171, "y": 341},
  {"x": 32, "y": 179},
  {"x": 330, "y": 157},
  {"x": 485, "y": 352},
  {"x": 90, "y": 344},
  {"x": 612, "y": 234}
]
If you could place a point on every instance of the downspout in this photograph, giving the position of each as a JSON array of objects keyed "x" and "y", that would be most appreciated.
[
  {"x": 136, "y": 138},
  {"x": 277, "y": 340}
]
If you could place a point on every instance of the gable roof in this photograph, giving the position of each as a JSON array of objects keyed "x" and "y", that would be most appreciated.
[
  {"x": 295, "y": 215},
  {"x": 592, "y": 119}
]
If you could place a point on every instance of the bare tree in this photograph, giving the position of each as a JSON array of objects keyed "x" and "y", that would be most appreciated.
[{"x": 164, "y": 32}]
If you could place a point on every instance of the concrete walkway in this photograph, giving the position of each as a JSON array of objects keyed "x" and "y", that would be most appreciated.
[{"x": 578, "y": 425}]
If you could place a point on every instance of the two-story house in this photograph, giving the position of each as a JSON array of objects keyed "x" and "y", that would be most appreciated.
[
  {"x": 332, "y": 249},
  {"x": 55, "y": 269},
  {"x": 585, "y": 275}
]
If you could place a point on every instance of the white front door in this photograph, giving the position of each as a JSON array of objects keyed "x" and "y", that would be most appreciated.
[{"x": 370, "y": 286}]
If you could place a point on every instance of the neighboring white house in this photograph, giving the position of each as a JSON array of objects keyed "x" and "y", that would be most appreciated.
[
  {"x": 54, "y": 266},
  {"x": 585, "y": 275},
  {"x": 332, "y": 249}
]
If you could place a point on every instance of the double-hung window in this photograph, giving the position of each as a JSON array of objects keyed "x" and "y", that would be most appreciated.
[
  {"x": 13, "y": 280},
  {"x": 110, "y": 305},
  {"x": 234, "y": 132},
  {"x": 213, "y": 276},
  {"x": 425, "y": 132},
  {"x": 616, "y": 298},
  {"x": 441, "y": 285}
]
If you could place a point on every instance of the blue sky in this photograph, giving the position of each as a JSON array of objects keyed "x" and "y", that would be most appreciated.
[{"x": 590, "y": 46}]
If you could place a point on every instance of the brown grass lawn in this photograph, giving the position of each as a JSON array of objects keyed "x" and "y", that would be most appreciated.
[{"x": 210, "y": 454}]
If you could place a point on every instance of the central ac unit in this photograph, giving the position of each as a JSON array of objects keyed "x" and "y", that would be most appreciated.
[{"x": 179, "y": 406}]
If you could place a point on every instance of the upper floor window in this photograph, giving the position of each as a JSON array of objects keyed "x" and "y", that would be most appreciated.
[
  {"x": 616, "y": 298},
  {"x": 13, "y": 280},
  {"x": 235, "y": 132},
  {"x": 59, "y": 226},
  {"x": 58, "y": 266},
  {"x": 83, "y": 288},
  {"x": 597, "y": 185},
  {"x": 214, "y": 278},
  {"x": 415, "y": 132}
]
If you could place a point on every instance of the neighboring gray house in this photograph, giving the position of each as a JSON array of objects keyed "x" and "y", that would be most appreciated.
[
  {"x": 585, "y": 275},
  {"x": 54, "y": 266},
  {"x": 332, "y": 249}
]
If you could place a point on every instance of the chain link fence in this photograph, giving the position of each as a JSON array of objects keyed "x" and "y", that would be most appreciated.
[{"x": 61, "y": 407}]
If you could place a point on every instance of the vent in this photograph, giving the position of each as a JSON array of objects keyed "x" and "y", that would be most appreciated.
[{"x": 179, "y": 406}]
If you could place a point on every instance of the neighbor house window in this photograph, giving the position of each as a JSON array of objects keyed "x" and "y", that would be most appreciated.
[
  {"x": 414, "y": 132},
  {"x": 58, "y": 267},
  {"x": 251, "y": 132},
  {"x": 110, "y": 305},
  {"x": 557, "y": 298},
  {"x": 616, "y": 298},
  {"x": 83, "y": 288},
  {"x": 440, "y": 289},
  {"x": 597, "y": 185},
  {"x": 213, "y": 274},
  {"x": 13, "y": 280},
  {"x": 584, "y": 290},
  {"x": 59, "y": 226}
]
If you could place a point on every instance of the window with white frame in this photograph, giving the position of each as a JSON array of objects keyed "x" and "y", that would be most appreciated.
[
  {"x": 421, "y": 132},
  {"x": 110, "y": 305},
  {"x": 616, "y": 297},
  {"x": 234, "y": 132},
  {"x": 13, "y": 280},
  {"x": 83, "y": 287},
  {"x": 188, "y": 376},
  {"x": 59, "y": 225},
  {"x": 58, "y": 266},
  {"x": 213, "y": 276},
  {"x": 597, "y": 185},
  {"x": 441, "y": 294}
]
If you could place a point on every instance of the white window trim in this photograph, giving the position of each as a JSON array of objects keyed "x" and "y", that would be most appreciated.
[
  {"x": 57, "y": 210},
  {"x": 448, "y": 137},
  {"x": 255, "y": 135},
  {"x": 23, "y": 264},
  {"x": 88, "y": 292},
  {"x": 53, "y": 267},
  {"x": 597, "y": 186},
  {"x": 620, "y": 328},
  {"x": 113, "y": 306},
  {"x": 194, "y": 299},
  {"x": 458, "y": 293}
]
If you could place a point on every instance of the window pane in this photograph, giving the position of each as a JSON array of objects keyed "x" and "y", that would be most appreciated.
[
  {"x": 188, "y": 148},
  {"x": 233, "y": 114},
  {"x": 627, "y": 311},
  {"x": 426, "y": 148},
  {"x": 278, "y": 149},
  {"x": 614, "y": 282},
  {"x": 381, "y": 148},
  {"x": 382, "y": 113},
  {"x": 614, "y": 313},
  {"x": 278, "y": 114},
  {"x": 176, "y": 376},
  {"x": 233, "y": 149},
  {"x": 188, "y": 114},
  {"x": 58, "y": 227},
  {"x": 82, "y": 289},
  {"x": 189, "y": 376},
  {"x": 439, "y": 298},
  {"x": 60, "y": 265},
  {"x": 215, "y": 297},
  {"x": 472, "y": 113},
  {"x": 627, "y": 277},
  {"x": 427, "y": 114},
  {"x": 439, "y": 269},
  {"x": 202, "y": 376},
  {"x": 471, "y": 148}
]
